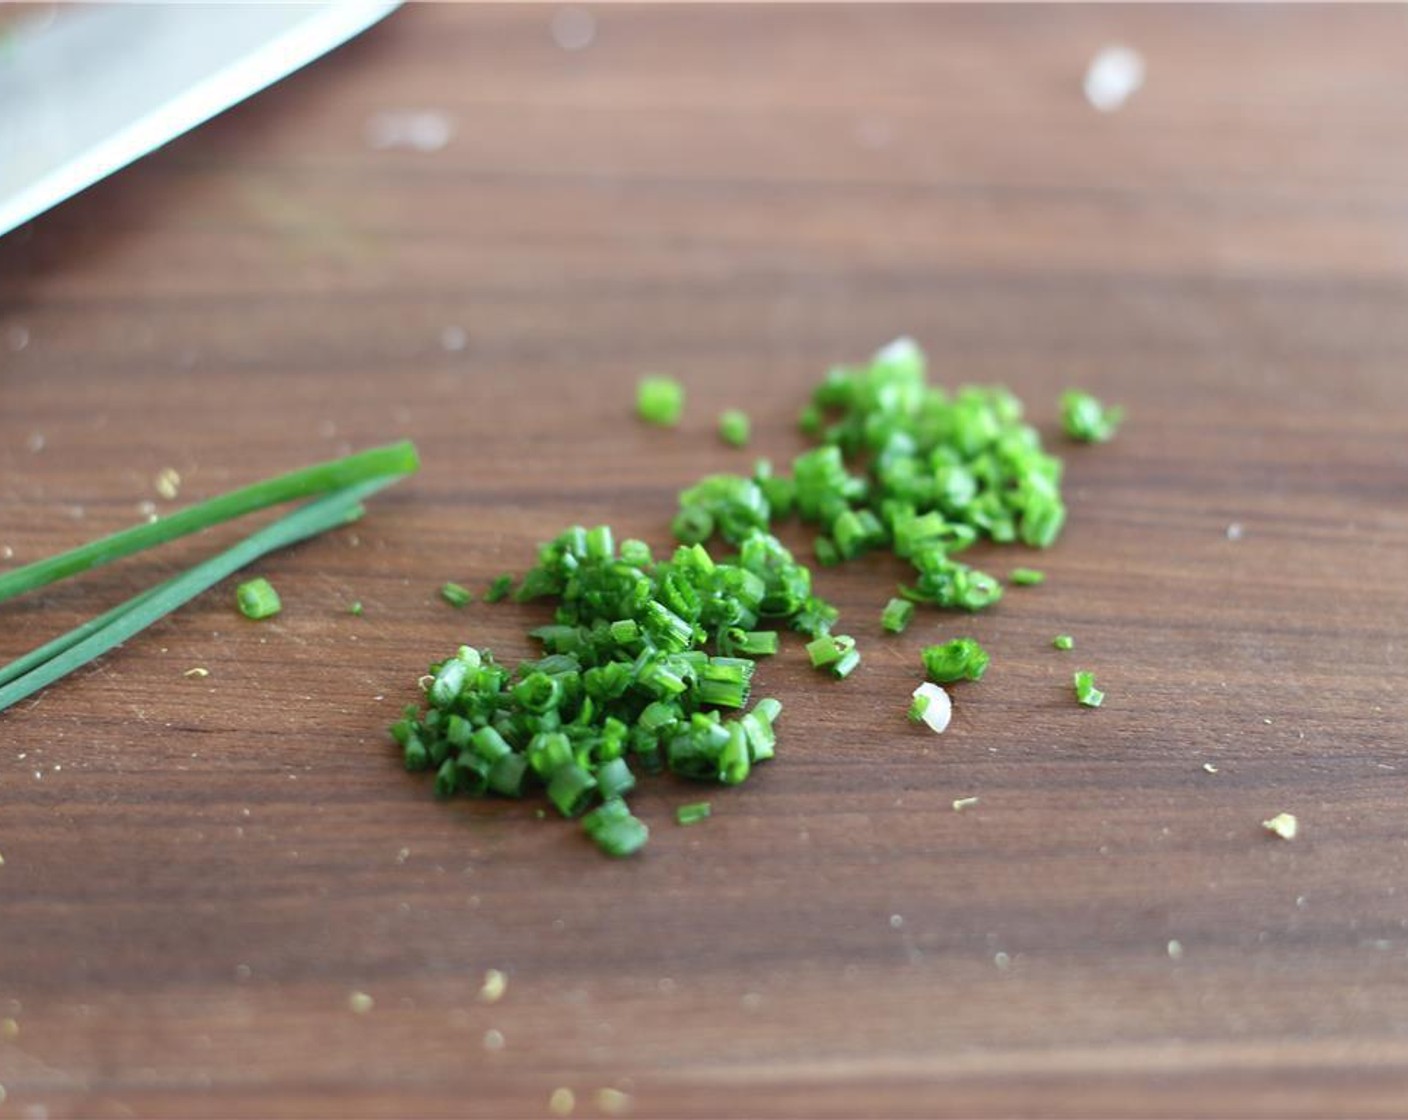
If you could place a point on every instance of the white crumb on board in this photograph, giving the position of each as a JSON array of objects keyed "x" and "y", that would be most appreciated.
[
  {"x": 411, "y": 130},
  {"x": 940, "y": 709},
  {"x": 1114, "y": 76}
]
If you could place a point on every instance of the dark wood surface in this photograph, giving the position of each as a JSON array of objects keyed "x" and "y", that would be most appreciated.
[{"x": 199, "y": 873}]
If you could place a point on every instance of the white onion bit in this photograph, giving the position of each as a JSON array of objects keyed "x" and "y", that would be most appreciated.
[{"x": 940, "y": 709}]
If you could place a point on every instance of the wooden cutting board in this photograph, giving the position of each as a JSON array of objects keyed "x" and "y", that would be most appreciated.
[{"x": 201, "y": 871}]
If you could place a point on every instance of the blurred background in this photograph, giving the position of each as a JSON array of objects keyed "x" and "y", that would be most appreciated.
[{"x": 477, "y": 226}]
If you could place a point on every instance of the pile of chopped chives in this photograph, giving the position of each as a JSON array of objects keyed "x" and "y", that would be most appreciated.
[
  {"x": 646, "y": 667},
  {"x": 644, "y": 657}
]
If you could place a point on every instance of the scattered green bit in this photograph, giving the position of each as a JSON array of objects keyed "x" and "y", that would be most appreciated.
[
  {"x": 615, "y": 831},
  {"x": 1063, "y": 641},
  {"x": 960, "y": 659},
  {"x": 1283, "y": 825},
  {"x": 834, "y": 652},
  {"x": 1026, "y": 577},
  {"x": 456, "y": 595},
  {"x": 734, "y": 427},
  {"x": 258, "y": 599},
  {"x": 694, "y": 812},
  {"x": 1084, "y": 418},
  {"x": 660, "y": 400},
  {"x": 896, "y": 615},
  {"x": 917, "y": 707},
  {"x": 356, "y": 608},
  {"x": 500, "y": 589},
  {"x": 1086, "y": 692}
]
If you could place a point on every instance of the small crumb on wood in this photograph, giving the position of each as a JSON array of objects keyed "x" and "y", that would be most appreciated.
[
  {"x": 9, "y": 1029},
  {"x": 1234, "y": 531},
  {"x": 197, "y": 671},
  {"x": 494, "y": 986},
  {"x": 1283, "y": 825},
  {"x": 168, "y": 483},
  {"x": 1002, "y": 960},
  {"x": 493, "y": 1040},
  {"x": 360, "y": 1002},
  {"x": 1209, "y": 767},
  {"x": 562, "y": 1102},
  {"x": 612, "y": 1102},
  {"x": 961, "y": 803},
  {"x": 1114, "y": 76},
  {"x": 1175, "y": 950}
]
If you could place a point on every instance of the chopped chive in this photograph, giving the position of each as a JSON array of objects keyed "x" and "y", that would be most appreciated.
[
  {"x": 1084, "y": 418},
  {"x": 694, "y": 812},
  {"x": 355, "y": 608},
  {"x": 1026, "y": 577},
  {"x": 456, "y": 595},
  {"x": 571, "y": 789},
  {"x": 660, "y": 400},
  {"x": 960, "y": 659},
  {"x": 257, "y": 599},
  {"x": 1086, "y": 692},
  {"x": 828, "y": 649},
  {"x": 896, "y": 615},
  {"x": 918, "y": 706},
  {"x": 1063, "y": 641},
  {"x": 615, "y": 830},
  {"x": 734, "y": 427},
  {"x": 499, "y": 589}
]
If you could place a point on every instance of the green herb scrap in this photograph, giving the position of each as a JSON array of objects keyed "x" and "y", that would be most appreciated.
[
  {"x": 456, "y": 595},
  {"x": 960, "y": 659},
  {"x": 1084, "y": 418},
  {"x": 257, "y": 599},
  {"x": 1086, "y": 692},
  {"x": 660, "y": 400},
  {"x": 1063, "y": 641},
  {"x": 734, "y": 427}
]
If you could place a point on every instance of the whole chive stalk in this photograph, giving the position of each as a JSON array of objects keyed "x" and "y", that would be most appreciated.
[
  {"x": 82, "y": 645},
  {"x": 395, "y": 459}
]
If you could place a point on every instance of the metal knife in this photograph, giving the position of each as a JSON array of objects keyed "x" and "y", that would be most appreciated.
[{"x": 87, "y": 89}]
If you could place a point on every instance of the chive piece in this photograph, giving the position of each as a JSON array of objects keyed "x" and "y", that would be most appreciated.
[
  {"x": 1084, "y": 418},
  {"x": 694, "y": 812},
  {"x": 1063, "y": 641},
  {"x": 896, "y": 615},
  {"x": 257, "y": 599},
  {"x": 456, "y": 595},
  {"x": 960, "y": 659},
  {"x": 1086, "y": 692},
  {"x": 356, "y": 608},
  {"x": 395, "y": 459},
  {"x": 139, "y": 612},
  {"x": 615, "y": 830},
  {"x": 571, "y": 789},
  {"x": 1026, "y": 577},
  {"x": 614, "y": 779},
  {"x": 660, "y": 400},
  {"x": 734, "y": 427},
  {"x": 499, "y": 589},
  {"x": 918, "y": 706}
]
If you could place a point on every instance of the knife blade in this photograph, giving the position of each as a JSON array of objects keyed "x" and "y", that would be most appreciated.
[{"x": 85, "y": 90}]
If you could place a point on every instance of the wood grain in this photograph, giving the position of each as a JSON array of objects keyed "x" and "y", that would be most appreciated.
[{"x": 198, "y": 873}]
